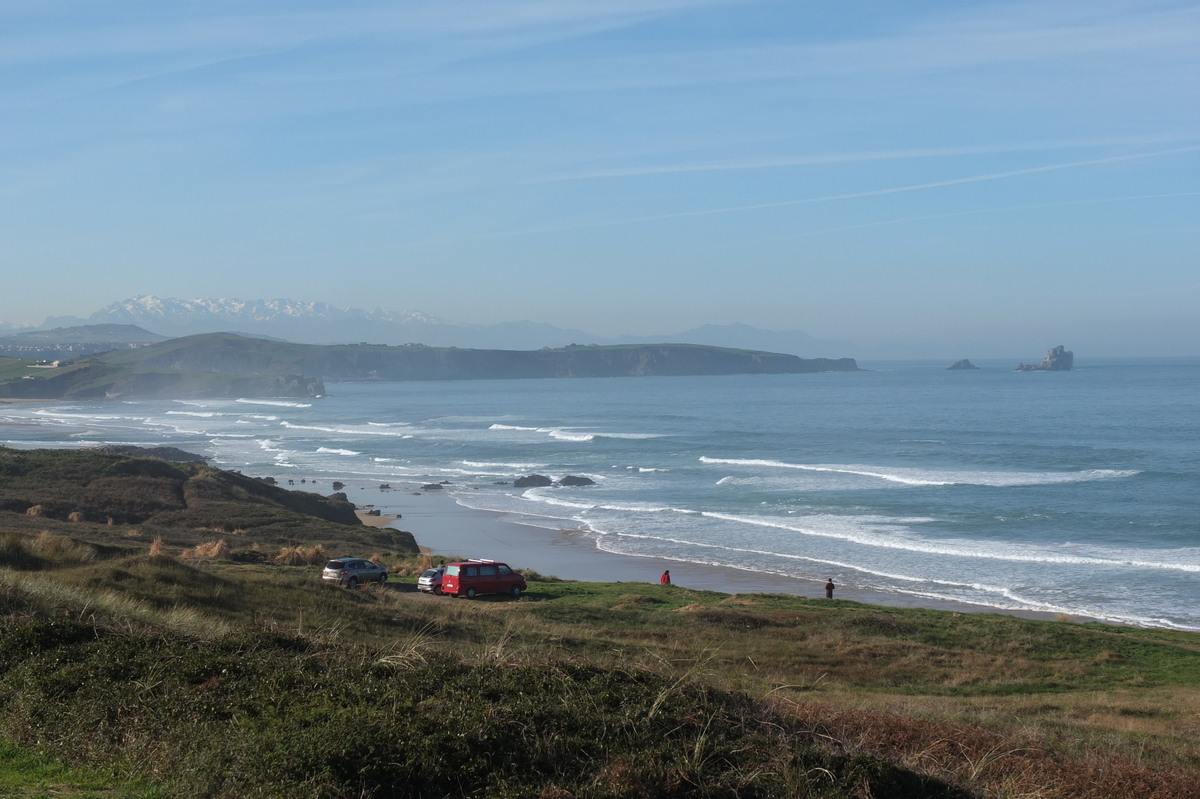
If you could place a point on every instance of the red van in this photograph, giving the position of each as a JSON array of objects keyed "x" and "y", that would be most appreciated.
[{"x": 470, "y": 578}]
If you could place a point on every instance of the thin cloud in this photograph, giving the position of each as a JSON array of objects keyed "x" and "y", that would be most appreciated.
[
  {"x": 893, "y": 190},
  {"x": 846, "y": 158}
]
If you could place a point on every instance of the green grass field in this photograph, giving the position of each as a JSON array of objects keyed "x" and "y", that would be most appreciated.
[{"x": 242, "y": 676}]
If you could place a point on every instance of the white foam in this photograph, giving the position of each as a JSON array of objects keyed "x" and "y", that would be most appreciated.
[
  {"x": 566, "y": 435},
  {"x": 524, "y": 467},
  {"x": 935, "y": 477},
  {"x": 573, "y": 434},
  {"x": 344, "y": 431},
  {"x": 277, "y": 403},
  {"x": 882, "y": 532},
  {"x": 335, "y": 451}
]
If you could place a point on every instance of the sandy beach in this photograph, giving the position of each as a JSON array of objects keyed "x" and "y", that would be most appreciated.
[{"x": 448, "y": 530}]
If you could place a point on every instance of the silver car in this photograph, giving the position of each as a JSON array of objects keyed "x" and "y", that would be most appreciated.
[
  {"x": 430, "y": 580},
  {"x": 350, "y": 572}
]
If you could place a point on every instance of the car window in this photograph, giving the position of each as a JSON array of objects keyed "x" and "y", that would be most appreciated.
[
  {"x": 429, "y": 573},
  {"x": 335, "y": 564},
  {"x": 472, "y": 571},
  {"x": 452, "y": 570},
  {"x": 487, "y": 571},
  {"x": 504, "y": 569}
]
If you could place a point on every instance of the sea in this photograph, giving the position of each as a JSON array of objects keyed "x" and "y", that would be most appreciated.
[{"x": 1059, "y": 492}]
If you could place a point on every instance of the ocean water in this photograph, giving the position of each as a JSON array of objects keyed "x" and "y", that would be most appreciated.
[{"x": 1074, "y": 492}]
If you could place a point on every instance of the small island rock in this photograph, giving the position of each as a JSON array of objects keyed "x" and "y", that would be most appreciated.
[
  {"x": 963, "y": 364},
  {"x": 572, "y": 480},
  {"x": 1058, "y": 359}
]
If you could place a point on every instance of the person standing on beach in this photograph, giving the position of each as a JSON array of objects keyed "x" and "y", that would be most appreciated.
[
  {"x": 666, "y": 578},
  {"x": 829, "y": 586}
]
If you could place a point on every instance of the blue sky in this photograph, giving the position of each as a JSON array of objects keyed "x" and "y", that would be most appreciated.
[{"x": 1005, "y": 175}]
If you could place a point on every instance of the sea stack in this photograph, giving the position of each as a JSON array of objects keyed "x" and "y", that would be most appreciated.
[
  {"x": 1057, "y": 359},
  {"x": 963, "y": 364}
]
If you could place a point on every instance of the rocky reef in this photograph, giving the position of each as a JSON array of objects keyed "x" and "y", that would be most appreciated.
[
  {"x": 1058, "y": 359},
  {"x": 963, "y": 364}
]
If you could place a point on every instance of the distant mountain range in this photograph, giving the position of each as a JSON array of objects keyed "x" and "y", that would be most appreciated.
[{"x": 322, "y": 323}]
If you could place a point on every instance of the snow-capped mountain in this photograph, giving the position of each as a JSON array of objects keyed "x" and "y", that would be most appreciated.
[
  {"x": 316, "y": 323},
  {"x": 322, "y": 323}
]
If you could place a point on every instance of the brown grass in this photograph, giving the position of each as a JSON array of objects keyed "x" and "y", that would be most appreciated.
[
  {"x": 61, "y": 548},
  {"x": 75, "y": 516},
  {"x": 210, "y": 550},
  {"x": 157, "y": 547},
  {"x": 300, "y": 556},
  {"x": 36, "y": 510},
  {"x": 989, "y": 761}
]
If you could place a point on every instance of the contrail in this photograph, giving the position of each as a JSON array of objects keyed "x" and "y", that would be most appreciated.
[{"x": 914, "y": 187}]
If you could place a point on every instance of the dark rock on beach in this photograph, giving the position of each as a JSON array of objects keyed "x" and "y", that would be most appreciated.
[
  {"x": 432, "y": 487},
  {"x": 963, "y": 364},
  {"x": 1058, "y": 359},
  {"x": 533, "y": 481}
]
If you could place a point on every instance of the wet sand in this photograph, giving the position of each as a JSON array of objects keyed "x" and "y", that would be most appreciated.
[{"x": 449, "y": 530}]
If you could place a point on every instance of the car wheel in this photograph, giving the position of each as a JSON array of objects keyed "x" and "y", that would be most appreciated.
[
  {"x": 352, "y": 583},
  {"x": 437, "y": 590},
  {"x": 515, "y": 591},
  {"x": 383, "y": 579},
  {"x": 470, "y": 593}
]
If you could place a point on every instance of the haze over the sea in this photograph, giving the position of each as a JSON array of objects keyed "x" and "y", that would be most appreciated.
[{"x": 992, "y": 178}]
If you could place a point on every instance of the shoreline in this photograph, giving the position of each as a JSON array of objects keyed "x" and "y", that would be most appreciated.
[{"x": 445, "y": 528}]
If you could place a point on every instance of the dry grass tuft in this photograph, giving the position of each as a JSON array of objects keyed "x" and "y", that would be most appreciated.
[
  {"x": 300, "y": 556},
  {"x": 60, "y": 548},
  {"x": 75, "y": 516},
  {"x": 211, "y": 550},
  {"x": 36, "y": 510},
  {"x": 157, "y": 547}
]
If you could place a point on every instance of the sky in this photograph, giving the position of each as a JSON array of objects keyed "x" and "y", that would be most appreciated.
[{"x": 1004, "y": 175}]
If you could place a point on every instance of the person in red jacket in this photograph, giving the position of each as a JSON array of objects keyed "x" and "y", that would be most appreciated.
[{"x": 666, "y": 578}]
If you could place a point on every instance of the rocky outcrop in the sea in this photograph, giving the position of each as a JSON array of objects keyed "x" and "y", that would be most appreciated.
[
  {"x": 533, "y": 481},
  {"x": 572, "y": 480},
  {"x": 963, "y": 364},
  {"x": 1058, "y": 359}
]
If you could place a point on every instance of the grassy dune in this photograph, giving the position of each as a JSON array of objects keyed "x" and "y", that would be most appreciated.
[{"x": 242, "y": 677}]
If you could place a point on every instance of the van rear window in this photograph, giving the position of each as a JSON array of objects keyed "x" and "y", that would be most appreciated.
[
  {"x": 487, "y": 571},
  {"x": 452, "y": 570}
]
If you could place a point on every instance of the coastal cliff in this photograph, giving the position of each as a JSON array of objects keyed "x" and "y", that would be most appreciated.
[
  {"x": 230, "y": 354},
  {"x": 99, "y": 380}
]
